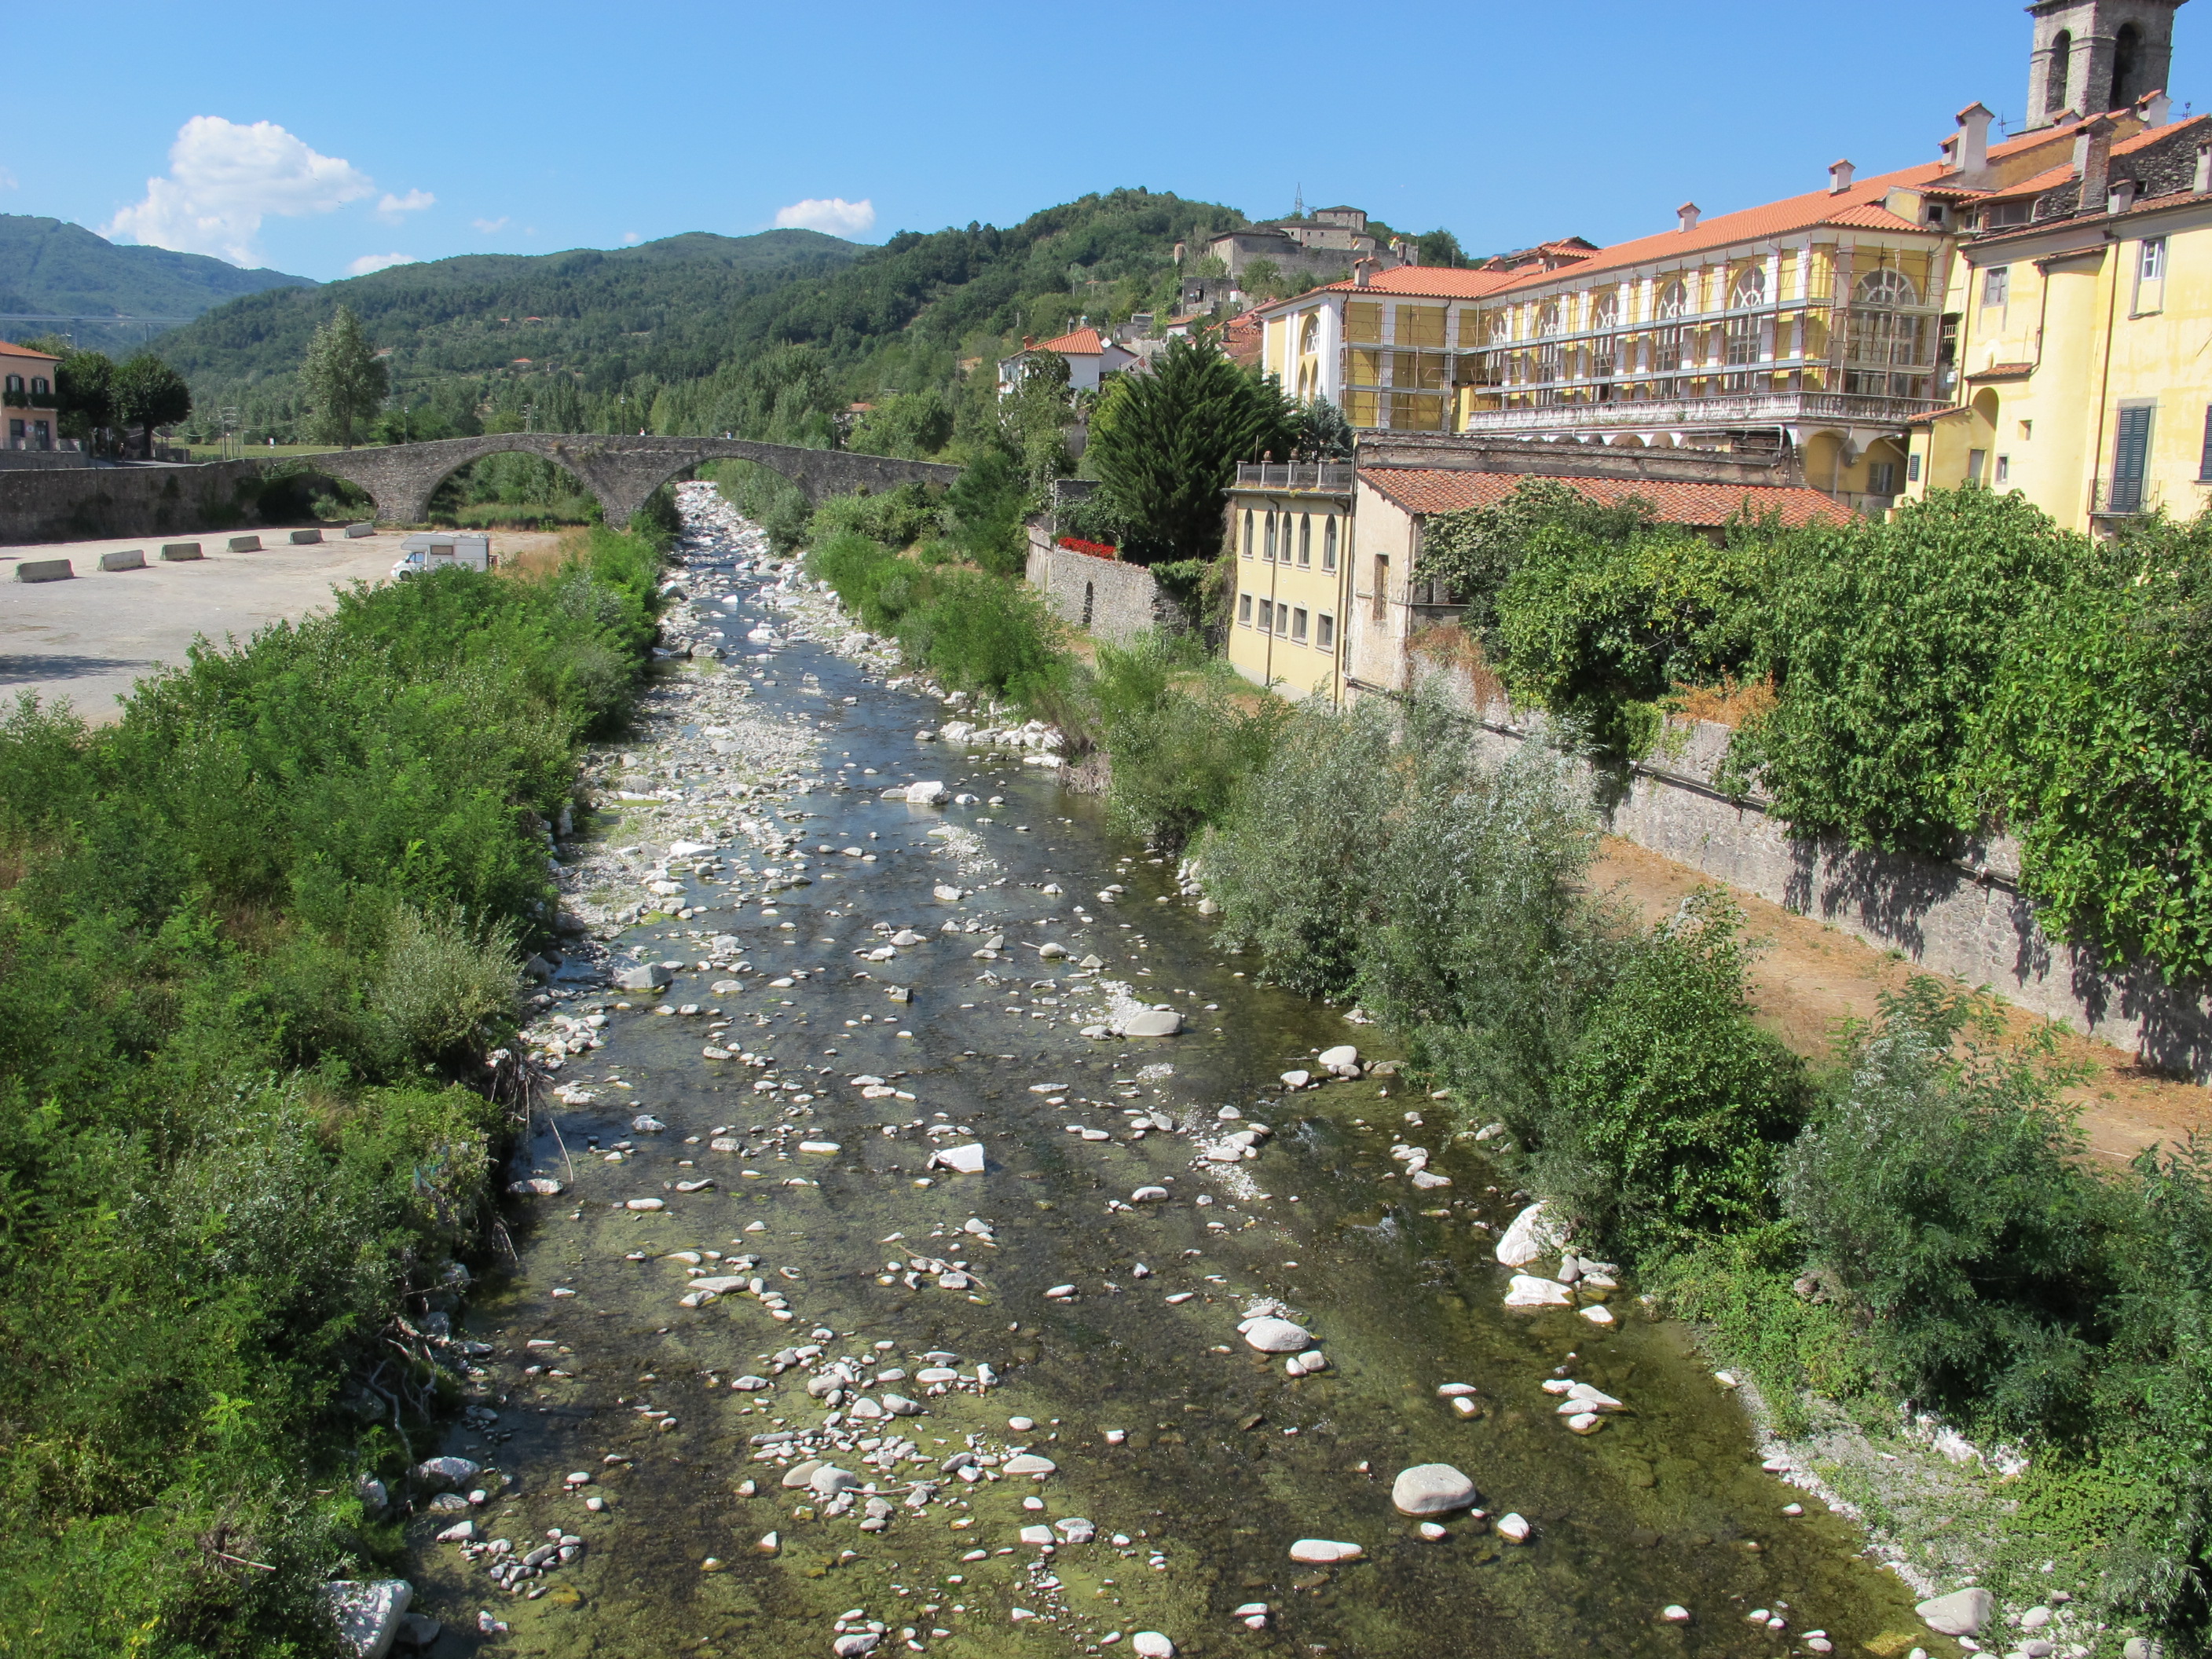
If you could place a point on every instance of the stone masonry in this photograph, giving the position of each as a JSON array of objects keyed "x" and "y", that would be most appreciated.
[{"x": 1112, "y": 600}]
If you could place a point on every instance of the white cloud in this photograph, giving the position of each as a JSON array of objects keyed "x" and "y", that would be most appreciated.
[
  {"x": 394, "y": 208},
  {"x": 836, "y": 215},
  {"x": 491, "y": 226},
  {"x": 369, "y": 262},
  {"x": 224, "y": 178},
  {"x": 631, "y": 239},
  {"x": 7, "y": 179}
]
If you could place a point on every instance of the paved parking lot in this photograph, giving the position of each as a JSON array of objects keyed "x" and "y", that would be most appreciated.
[{"x": 88, "y": 640}]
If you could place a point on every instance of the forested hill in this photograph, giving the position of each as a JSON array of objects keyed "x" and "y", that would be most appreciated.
[
  {"x": 51, "y": 266},
  {"x": 767, "y": 335},
  {"x": 479, "y": 312}
]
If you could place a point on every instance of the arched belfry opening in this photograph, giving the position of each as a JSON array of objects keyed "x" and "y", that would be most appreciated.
[{"x": 2091, "y": 56}]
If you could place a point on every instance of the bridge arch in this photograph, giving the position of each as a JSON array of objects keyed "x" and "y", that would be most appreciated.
[{"x": 620, "y": 471}]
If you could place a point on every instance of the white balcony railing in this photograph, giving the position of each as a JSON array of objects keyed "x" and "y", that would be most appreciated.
[
  {"x": 1729, "y": 409},
  {"x": 1317, "y": 474}
]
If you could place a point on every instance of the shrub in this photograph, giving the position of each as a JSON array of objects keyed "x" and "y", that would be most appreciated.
[
  {"x": 1885, "y": 640},
  {"x": 2092, "y": 747},
  {"x": 1672, "y": 1108},
  {"x": 1943, "y": 1191}
]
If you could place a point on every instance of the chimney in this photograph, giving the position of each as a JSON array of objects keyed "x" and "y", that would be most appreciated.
[
  {"x": 1972, "y": 156},
  {"x": 2093, "y": 163},
  {"x": 2123, "y": 196},
  {"x": 1361, "y": 270},
  {"x": 2202, "y": 183},
  {"x": 1685, "y": 216},
  {"x": 1840, "y": 176},
  {"x": 2154, "y": 109}
]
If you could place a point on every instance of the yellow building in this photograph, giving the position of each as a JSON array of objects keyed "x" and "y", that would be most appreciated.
[
  {"x": 1291, "y": 529},
  {"x": 2084, "y": 301}
]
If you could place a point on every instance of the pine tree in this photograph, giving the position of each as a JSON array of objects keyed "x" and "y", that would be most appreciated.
[
  {"x": 345, "y": 379},
  {"x": 1166, "y": 446}
]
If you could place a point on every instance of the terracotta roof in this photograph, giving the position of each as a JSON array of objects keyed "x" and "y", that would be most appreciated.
[
  {"x": 1080, "y": 343},
  {"x": 2052, "y": 178},
  {"x": 1425, "y": 282},
  {"x": 1426, "y": 490},
  {"x": 1871, "y": 215},
  {"x": 1934, "y": 414},
  {"x": 10, "y": 349},
  {"x": 2004, "y": 372}
]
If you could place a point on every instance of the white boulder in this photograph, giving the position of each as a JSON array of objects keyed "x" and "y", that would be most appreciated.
[
  {"x": 1537, "y": 1231},
  {"x": 1432, "y": 1489}
]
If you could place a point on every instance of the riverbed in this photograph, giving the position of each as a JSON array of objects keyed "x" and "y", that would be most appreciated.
[{"x": 786, "y": 1371}]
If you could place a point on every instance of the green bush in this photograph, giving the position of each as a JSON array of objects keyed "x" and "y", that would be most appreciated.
[
  {"x": 897, "y": 517},
  {"x": 253, "y": 935},
  {"x": 1184, "y": 735},
  {"x": 2092, "y": 748},
  {"x": 1942, "y": 1187},
  {"x": 1886, "y": 641},
  {"x": 1476, "y": 552},
  {"x": 1672, "y": 1108}
]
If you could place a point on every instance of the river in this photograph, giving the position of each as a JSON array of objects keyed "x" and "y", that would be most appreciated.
[{"x": 1036, "y": 1308}]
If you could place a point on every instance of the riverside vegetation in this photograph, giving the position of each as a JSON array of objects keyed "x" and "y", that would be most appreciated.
[
  {"x": 256, "y": 940},
  {"x": 1906, "y": 1224}
]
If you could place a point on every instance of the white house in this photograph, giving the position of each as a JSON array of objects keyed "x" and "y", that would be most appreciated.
[{"x": 1090, "y": 358}]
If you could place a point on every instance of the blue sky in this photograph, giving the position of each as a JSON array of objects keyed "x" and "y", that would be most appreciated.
[{"x": 321, "y": 139}]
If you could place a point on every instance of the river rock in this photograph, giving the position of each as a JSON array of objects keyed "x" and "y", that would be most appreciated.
[
  {"x": 1151, "y": 1644},
  {"x": 1537, "y": 1231},
  {"x": 1513, "y": 1528},
  {"x": 645, "y": 1204},
  {"x": 1324, "y": 1552},
  {"x": 536, "y": 1187},
  {"x": 931, "y": 794},
  {"x": 1036, "y": 1534},
  {"x": 1296, "y": 1079},
  {"x": 1149, "y": 1195},
  {"x": 445, "y": 1473},
  {"x": 964, "y": 1160},
  {"x": 799, "y": 1473},
  {"x": 367, "y": 1613},
  {"x": 828, "y": 1480},
  {"x": 1343, "y": 1059},
  {"x": 1151, "y": 1021},
  {"x": 1527, "y": 1291},
  {"x": 1277, "y": 1336},
  {"x": 1026, "y": 1465},
  {"x": 646, "y": 1124},
  {"x": 1432, "y": 1489},
  {"x": 945, "y": 895},
  {"x": 648, "y": 977},
  {"x": 854, "y": 1643},
  {"x": 1962, "y": 1613},
  {"x": 1075, "y": 1530}
]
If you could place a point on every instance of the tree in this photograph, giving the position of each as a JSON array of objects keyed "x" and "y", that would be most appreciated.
[
  {"x": 84, "y": 394},
  {"x": 1033, "y": 422},
  {"x": 1440, "y": 247},
  {"x": 1166, "y": 446},
  {"x": 149, "y": 393},
  {"x": 345, "y": 379}
]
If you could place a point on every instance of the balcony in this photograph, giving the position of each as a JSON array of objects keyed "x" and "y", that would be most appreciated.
[
  {"x": 1333, "y": 477},
  {"x": 1730, "y": 409}
]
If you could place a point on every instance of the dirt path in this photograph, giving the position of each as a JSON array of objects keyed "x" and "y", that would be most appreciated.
[{"x": 1812, "y": 978}]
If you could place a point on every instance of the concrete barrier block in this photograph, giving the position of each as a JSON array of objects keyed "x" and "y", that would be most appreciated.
[
  {"x": 306, "y": 538},
  {"x": 246, "y": 543},
  {"x": 174, "y": 551},
  {"x": 44, "y": 570},
  {"x": 128, "y": 559},
  {"x": 361, "y": 529}
]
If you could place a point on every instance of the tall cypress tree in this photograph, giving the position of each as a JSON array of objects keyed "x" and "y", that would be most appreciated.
[{"x": 1167, "y": 445}]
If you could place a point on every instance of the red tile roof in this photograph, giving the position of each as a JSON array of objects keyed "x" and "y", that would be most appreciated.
[
  {"x": 2004, "y": 372},
  {"x": 1080, "y": 343},
  {"x": 10, "y": 349},
  {"x": 2052, "y": 178},
  {"x": 1424, "y": 489}
]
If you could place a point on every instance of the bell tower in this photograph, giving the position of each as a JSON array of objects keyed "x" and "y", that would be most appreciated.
[{"x": 2091, "y": 56}]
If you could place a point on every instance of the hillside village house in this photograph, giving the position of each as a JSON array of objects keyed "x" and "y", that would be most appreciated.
[
  {"x": 1814, "y": 327},
  {"x": 1326, "y": 601},
  {"x": 1090, "y": 358},
  {"x": 2083, "y": 308},
  {"x": 28, "y": 402}
]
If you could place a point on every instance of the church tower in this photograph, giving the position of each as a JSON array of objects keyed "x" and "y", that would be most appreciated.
[{"x": 2092, "y": 55}]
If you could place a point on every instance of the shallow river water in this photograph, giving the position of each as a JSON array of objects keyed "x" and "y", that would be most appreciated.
[{"x": 1217, "y": 1461}]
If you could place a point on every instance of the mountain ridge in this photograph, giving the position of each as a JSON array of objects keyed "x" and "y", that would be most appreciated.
[{"x": 52, "y": 266}]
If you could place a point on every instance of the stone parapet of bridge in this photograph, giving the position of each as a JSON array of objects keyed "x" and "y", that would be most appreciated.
[{"x": 622, "y": 473}]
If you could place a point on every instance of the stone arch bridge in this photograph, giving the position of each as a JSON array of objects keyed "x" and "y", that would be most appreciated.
[{"x": 621, "y": 472}]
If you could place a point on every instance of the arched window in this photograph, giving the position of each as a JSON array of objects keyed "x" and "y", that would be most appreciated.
[
  {"x": 1887, "y": 288},
  {"x": 1329, "y": 542},
  {"x": 2127, "y": 66},
  {"x": 1309, "y": 336},
  {"x": 1248, "y": 532},
  {"x": 1270, "y": 552},
  {"x": 1750, "y": 289},
  {"x": 2054, "y": 80},
  {"x": 1608, "y": 312},
  {"x": 1501, "y": 328},
  {"x": 1884, "y": 340},
  {"x": 1305, "y": 539},
  {"x": 1547, "y": 323},
  {"x": 1667, "y": 345}
]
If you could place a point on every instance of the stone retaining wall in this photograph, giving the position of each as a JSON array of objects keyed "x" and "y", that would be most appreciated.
[
  {"x": 1966, "y": 918},
  {"x": 1111, "y": 600},
  {"x": 67, "y": 504}
]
